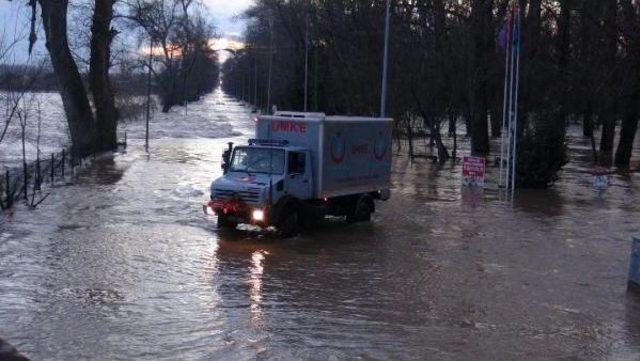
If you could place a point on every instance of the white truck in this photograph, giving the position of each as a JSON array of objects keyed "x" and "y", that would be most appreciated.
[{"x": 302, "y": 166}]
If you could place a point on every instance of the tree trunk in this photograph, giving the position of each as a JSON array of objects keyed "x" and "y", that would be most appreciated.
[
  {"x": 606, "y": 140},
  {"x": 496, "y": 123},
  {"x": 587, "y": 123},
  {"x": 481, "y": 14},
  {"x": 564, "y": 42},
  {"x": 586, "y": 59},
  {"x": 74, "y": 96},
  {"x": 631, "y": 26},
  {"x": 608, "y": 112},
  {"x": 531, "y": 84},
  {"x": 627, "y": 135},
  {"x": 103, "y": 98},
  {"x": 479, "y": 129}
]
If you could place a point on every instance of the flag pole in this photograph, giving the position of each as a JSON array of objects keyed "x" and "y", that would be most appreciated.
[
  {"x": 510, "y": 110},
  {"x": 504, "y": 107},
  {"x": 515, "y": 120},
  {"x": 306, "y": 61},
  {"x": 385, "y": 62},
  {"x": 270, "y": 64},
  {"x": 148, "y": 105}
]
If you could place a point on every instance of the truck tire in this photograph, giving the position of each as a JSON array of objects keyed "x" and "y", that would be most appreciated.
[
  {"x": 224, "y": 222},
  {"x": 361, "y": 210},
  {"x": 288, "y": 222}
]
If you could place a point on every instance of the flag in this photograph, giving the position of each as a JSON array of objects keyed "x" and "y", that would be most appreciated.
[{"x": 502, "y": 36}]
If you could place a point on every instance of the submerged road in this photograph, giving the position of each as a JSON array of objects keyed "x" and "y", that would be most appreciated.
[{"x": 123, "y": 265}]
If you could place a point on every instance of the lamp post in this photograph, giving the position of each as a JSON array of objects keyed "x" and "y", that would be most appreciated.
[
  {"x": 385, "y": 62},
  {"x": 306, "y": 64},
  {"x": 270, "y": 65},
  {"x": 148, "y": 112}
]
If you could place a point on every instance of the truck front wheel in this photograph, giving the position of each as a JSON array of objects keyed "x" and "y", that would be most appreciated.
[
  {"x": 288, "y": 224},
  {"x": 361, "y": 210},
  {"x": 224, "y": 222}
]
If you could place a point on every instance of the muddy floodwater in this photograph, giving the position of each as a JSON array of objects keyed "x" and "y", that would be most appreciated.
[{"x": 123, "y": 265}]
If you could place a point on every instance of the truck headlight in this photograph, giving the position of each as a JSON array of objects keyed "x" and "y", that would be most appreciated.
[{"x": 257, "y": 215}]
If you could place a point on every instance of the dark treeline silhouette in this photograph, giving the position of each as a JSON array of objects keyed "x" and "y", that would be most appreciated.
[
  {"x": 579, "y": 62},
  {"x": 34, "y": 79},
  {"x": 27, "y": 77}
]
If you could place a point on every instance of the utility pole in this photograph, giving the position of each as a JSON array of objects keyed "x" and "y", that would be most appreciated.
[
  {"x": 385, "y": 62},
  {"x": 270, "y": 65},
  {"x": 306, "y": 63},
  {"x": 146, "y": 136},
  {"x": 255, "y": 82}
]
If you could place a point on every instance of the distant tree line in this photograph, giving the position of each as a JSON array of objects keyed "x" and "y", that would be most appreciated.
[
  {"x": 30, "y": 77},
  {"x": 580, "y": 62}
]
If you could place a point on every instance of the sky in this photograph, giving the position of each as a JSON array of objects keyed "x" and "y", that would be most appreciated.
[
  {"x": 14, "y": 19},
  {"x": 224, "y": 11}
]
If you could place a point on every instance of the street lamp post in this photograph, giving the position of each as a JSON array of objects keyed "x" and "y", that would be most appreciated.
[
  {"x": 270, "y": 65},
  {"x": 385, "y": 62},
  {"x": 306, "y": 64},
  {"x": 146, "y": 135}
]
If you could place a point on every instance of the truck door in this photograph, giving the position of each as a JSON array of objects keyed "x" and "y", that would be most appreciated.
[{"x": 299, "y": 175}]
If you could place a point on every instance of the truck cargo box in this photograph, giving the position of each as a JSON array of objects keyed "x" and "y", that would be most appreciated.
[{"x": 350, "y": 155}]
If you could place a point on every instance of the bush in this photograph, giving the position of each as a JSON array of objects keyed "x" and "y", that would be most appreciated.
[{"x": 542, "y": 150}]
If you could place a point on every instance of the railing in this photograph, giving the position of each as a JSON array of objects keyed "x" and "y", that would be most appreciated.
[{"x": 25, "y": 182}]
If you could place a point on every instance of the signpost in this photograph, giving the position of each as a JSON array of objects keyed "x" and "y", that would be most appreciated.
[
  {"x": 473, "y": 169},
  {"x": 600, "y": 179}
]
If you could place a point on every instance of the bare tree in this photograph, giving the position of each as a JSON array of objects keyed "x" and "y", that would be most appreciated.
[
  {"x": 102, "y": 35},
  {"x": 179, "y": 30}
]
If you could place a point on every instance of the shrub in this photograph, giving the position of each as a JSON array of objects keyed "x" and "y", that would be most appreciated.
[{"x": 542, "y": 150}]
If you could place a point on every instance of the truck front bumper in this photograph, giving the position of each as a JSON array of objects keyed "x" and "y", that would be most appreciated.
[{"x": 236, "y": 211}]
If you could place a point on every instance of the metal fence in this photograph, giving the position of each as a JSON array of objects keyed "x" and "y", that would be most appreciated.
[{"x": 25, "y": 182}]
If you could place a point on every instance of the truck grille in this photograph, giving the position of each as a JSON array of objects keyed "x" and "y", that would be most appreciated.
[{"x": 249, "y": 196}]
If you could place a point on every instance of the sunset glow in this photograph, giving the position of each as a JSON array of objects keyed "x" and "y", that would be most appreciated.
[{"x": 222, "y": 46}]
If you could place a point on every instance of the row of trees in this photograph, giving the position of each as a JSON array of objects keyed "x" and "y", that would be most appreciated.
[
  {"x": 180, "y": 36},
  {"x": 579, "y": 62},
  {"x": 179, "y": 57}
]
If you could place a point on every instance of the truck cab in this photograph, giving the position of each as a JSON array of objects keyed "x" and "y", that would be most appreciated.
[
  {"x": 283, "y": 178},
  {"x": 258, "y": 175}
]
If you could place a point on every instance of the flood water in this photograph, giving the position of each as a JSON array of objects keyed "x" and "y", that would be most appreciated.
[{"x": 123, "y": 265}]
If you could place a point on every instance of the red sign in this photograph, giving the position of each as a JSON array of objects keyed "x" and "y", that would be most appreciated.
[
  {"x": 473, "y": 171},
  {"x": 288, "y": 126}
]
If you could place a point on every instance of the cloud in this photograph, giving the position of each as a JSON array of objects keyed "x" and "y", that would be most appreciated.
[
  {"x": 228, "y": 8},
  {"x": 224, "y": 12}
]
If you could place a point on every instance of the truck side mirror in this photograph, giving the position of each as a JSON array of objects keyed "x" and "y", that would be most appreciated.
[{"x": 226, "y": 158}]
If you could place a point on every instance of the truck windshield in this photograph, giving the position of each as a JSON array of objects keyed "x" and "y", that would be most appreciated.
[{"x": 258, "y": 160}]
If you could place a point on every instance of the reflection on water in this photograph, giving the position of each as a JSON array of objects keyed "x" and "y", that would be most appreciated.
[
  {"x": 123, "y": 265},
  {"x": 255, "y": 281}
]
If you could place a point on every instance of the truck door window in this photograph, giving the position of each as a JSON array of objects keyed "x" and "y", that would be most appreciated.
[{"x": 297, "y": 162}]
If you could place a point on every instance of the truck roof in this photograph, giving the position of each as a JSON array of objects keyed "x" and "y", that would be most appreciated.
[
  {"x": 275, "y": 146},
  {"x": 322, "y": 117}
]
